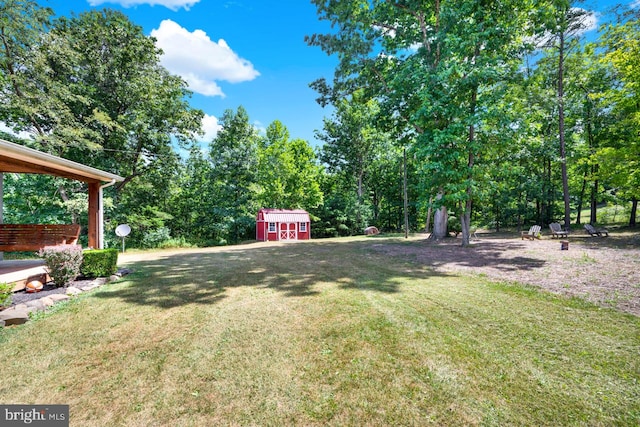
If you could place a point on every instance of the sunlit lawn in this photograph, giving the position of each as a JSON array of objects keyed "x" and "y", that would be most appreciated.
[{"x": 324, "y": 332}]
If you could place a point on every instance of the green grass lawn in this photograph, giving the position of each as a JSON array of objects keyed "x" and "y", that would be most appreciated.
[{"x": 324, "y": 332}]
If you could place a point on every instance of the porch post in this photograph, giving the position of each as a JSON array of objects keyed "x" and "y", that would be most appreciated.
[
  {"x": 94, "y": 216},
  {"x": 1, "y": 206}
]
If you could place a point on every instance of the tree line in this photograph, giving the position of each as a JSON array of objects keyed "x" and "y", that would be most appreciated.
[{"x": 506, "y": 115}]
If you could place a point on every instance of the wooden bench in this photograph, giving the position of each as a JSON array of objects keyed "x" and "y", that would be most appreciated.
[{"x": 33, "y": 237}]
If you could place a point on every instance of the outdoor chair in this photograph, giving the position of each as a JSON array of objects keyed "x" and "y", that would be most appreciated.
[
  {"x": 533, "y": 233},
  {"x": 600, "y": 232},
  {"x": 557, "y": 231}
]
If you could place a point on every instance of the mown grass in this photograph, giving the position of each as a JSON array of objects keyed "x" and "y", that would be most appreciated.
[{"x": 324, "y": 332}]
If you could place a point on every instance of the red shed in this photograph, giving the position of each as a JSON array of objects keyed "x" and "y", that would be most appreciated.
[{"x": 283, "y": 224}]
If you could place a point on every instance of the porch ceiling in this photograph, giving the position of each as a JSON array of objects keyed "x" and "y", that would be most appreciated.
[{"x": 20, "y": 159}]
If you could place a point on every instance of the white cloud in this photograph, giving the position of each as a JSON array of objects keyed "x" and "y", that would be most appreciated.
[
  {"x": 588, "y": 21},
  {"x": 170, "y": 4},
  {"x": 259, "y": 127},
  {"x": 211, "y": 127},
  {"x": 199, "y": 60},
  {"x": 635, "y": 4}
]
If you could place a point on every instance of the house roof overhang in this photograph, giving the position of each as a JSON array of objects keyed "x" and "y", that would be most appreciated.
[{"x": 20, "y": 159}]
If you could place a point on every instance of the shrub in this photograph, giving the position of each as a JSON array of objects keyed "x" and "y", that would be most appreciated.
[
  {"x": 99, "y": 262},
  {"x": 63, "y": 262},
  {"x": 175, "y": 242},
  {"x": 153, "y": 238},
  {"x": 6, "y": 290}
]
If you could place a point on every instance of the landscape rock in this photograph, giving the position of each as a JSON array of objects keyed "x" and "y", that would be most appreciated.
[
  {"x": 114, "y": 277},
  {"x": 36, "y": 304},
  {"x": 371, "y": 231},
  {"x": 124, "y": 271},
  {"x": 59, "y": 297},
  {"x": 97, "y": 282},
  {"x": 12, "y": 316},
  {"x": 1, "y": 323},
  {"x": 72, "y": 290},
  {"x": 47, "y": 301}
]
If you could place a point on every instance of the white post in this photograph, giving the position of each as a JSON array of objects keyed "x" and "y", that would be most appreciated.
[
  {"x": 1, "y": 206},
  {"x": 100, "y": 220}
]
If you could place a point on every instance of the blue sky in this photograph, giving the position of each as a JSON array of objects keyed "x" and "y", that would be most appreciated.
[
  {"x": 235, "y": 52},
  {"x": 244, "y": 52}
]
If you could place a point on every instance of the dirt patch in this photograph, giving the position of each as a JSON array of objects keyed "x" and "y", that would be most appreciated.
[{"x": 605, "y": 271}]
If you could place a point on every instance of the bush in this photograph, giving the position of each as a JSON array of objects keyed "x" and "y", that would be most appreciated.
[
  {"x": 99, "y": 262},
  {"x": 153, "y": 238},
  {"x": 6, "y": 290},
  {"x": 63, "y": 262}
]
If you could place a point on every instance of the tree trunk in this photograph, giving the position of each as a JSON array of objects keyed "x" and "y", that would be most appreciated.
[
  {"x": 465, "y": 222},
  {"x": 634, "y": 210},
  {"x": 594, "y": 200},
  {"x": 563, "y": 154},
  {"x": 405, "y": 196},
  {"x": 440, "y": 220},
  {"x": 582, "y": 192},
  {"x": 65, "y": 198},
  {"x": 359, "y": 190},
  {"x": 465, "y": 218},
  {"x": 427, "y": 226}
]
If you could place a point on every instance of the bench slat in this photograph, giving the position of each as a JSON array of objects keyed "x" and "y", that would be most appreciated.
[{"x": 33, "y": 237}]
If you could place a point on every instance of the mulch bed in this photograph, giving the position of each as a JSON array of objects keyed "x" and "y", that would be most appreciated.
[
  {"x": 21, "y": 297},
  {"x": 50, "y": 288}
]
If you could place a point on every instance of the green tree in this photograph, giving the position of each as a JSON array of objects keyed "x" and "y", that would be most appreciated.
[
  {"x": 351, "y": 144},
  {"x": 621, "y": 151},
  {"x": 564, "y": 24},
  {"x": 128, "y": 104},
  {"x": 23, "y": 24},
  {"x": 288, "y": 173},
  {"x": 234, "y": 159},
  {"x": 193, "y": 198},
  {"x": 438, "y": 70}
]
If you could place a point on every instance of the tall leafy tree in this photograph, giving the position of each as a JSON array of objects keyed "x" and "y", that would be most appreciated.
[
  {"x": 564, "y": 24},
  {"x": 124, "y": 100},
  {"x": 621, "y": 152},
  {"x": 351, "y": 143},
  {"x": 234, "y": 159},
  {"x": 288, "y": 173},
  {"x": 91, "y": 88},
  {"x": 437, "y": 69},
  {"x": 193, "y": 198},
  {"x": 23, "y": 26}
]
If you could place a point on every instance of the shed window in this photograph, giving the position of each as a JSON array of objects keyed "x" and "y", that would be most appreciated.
[
  {"x": 272, "y": 227},
  {"x": 303, "y": 227}
]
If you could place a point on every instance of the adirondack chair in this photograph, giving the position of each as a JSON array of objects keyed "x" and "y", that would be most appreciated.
[
  {"x": 600, "y": 232},
  {"x": 533, "y": 233},
  {"x": 557, "y": 231}
]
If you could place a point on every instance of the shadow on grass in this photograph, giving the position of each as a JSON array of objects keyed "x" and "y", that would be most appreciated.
[
  {"x": 201, "y": 277},
  {"x": 295, "y": 270},
  {"x": 449, "y": 252}
]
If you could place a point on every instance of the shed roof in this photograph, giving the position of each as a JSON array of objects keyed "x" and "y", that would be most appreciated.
[
  {"x": 285, "y": 215},
  {"x": 21, "y": 159}
]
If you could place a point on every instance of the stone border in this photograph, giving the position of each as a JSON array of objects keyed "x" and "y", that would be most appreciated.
[{"x": 19, "y": 314}]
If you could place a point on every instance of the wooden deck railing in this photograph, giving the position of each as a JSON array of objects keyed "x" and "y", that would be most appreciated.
[{"x": 33, "y": 237}]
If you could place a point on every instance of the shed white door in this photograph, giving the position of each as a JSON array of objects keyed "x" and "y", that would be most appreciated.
[{"x": 288, "y": 231}]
